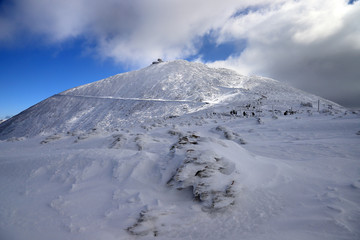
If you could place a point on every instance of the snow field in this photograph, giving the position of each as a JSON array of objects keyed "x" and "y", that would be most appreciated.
[{"x": 295, "y": 183}]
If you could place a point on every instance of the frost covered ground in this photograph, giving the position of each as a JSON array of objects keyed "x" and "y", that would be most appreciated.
[{"x": 229, "y": 166}]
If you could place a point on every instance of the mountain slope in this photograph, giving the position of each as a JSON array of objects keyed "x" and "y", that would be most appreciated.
[
  {"x": 181, "y": 151},
  {"x": 158, "y": 91}
]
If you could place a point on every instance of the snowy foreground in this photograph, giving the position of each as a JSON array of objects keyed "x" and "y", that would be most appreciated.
[{"x": 203, "y": 174}]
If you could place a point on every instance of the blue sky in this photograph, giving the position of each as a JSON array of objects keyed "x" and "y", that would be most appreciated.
[
  {"x": 33, "y": 73},
  {"x": 50, "y": 46}
]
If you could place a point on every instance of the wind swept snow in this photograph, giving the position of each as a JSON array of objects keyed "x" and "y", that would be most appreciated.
[{"x": 181, "y": 151}]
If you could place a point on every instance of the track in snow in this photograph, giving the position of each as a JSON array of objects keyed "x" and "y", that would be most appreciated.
[{"x": 132, "y": 99}]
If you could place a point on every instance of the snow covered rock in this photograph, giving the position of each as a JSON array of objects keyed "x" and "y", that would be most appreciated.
[{"x": 210, "y": 176}]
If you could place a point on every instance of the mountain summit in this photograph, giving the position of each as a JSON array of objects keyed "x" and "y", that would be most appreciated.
[{"x": 157, "y": 91}]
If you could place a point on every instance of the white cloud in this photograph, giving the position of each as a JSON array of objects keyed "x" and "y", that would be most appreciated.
[
  {"x": 128, "y": 31},
  {"x": 309, "y": 43}
]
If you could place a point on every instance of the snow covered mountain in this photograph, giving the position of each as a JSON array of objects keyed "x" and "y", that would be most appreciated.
[
  {"x": 158, "y": 91},
  {"x": 179, "y": 150}
]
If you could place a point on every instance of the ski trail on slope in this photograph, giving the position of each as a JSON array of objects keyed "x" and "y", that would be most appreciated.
[{"x": 132, "y": 99}]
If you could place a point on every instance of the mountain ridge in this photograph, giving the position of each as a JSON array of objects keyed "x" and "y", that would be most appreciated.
[{"x": 157, "y": 91}]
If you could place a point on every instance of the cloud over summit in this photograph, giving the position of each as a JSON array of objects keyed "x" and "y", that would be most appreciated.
[{"x": 312, "y": 44}]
